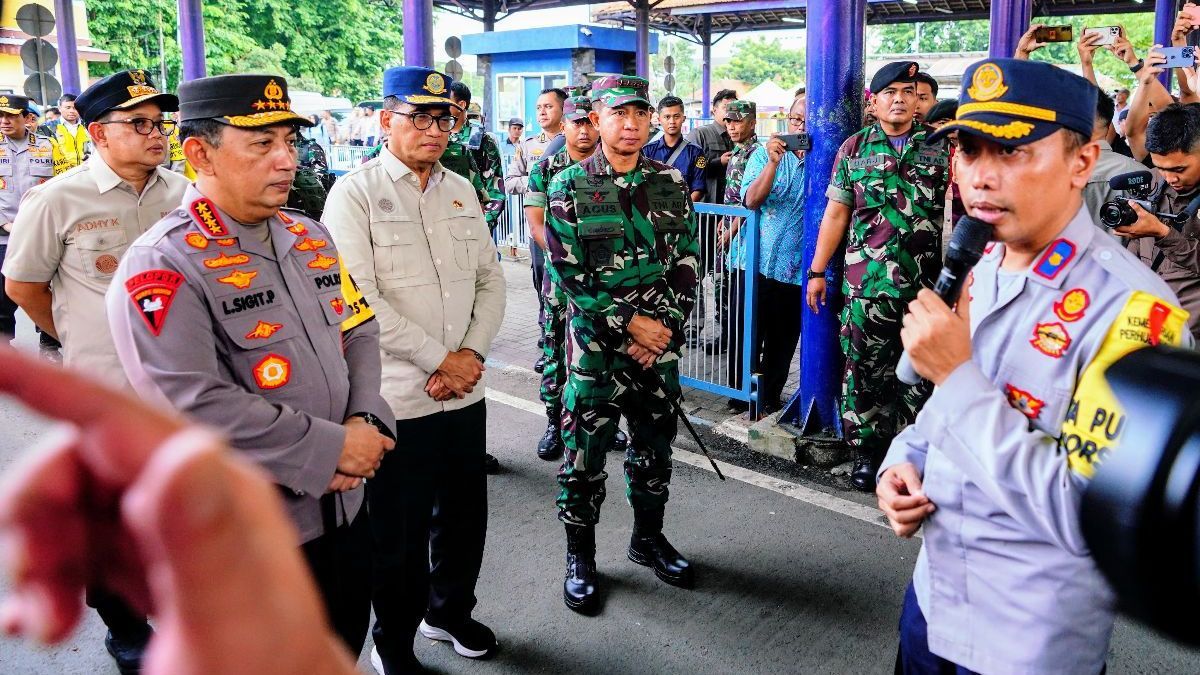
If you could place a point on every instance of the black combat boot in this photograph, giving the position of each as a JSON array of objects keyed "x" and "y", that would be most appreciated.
[
  {"x": 540, "y": 365},
  {"x": 862, "y": 476},
  {"x": 620, "y": 442},
  {"x": 649, "y": 547},
  {"x": 550, "y": 448},
  {"x": 582, "y": 584}
]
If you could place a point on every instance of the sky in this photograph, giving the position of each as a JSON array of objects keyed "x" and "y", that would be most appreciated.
[{"x": 447, "y": 24}]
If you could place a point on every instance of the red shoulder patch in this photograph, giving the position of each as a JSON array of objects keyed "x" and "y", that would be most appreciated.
[
  {"x": 206, "y": 214},
  {"x": 152, "y": 293}
]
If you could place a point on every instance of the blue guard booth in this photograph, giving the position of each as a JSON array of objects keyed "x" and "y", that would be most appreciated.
[{"x": 517, "y": 65}]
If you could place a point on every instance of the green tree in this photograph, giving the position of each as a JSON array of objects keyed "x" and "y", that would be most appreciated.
[
  {"x": 929, "y": 38},
  {"x": 758, "y": 59},
  {"x": 338, "y": 48},
  {"x": 1139, "y": 28}
]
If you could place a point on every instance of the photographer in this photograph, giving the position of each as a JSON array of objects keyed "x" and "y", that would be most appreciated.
[
  {"x": 1173, "y": 252},
  {"x": 1110, "y": 163}
]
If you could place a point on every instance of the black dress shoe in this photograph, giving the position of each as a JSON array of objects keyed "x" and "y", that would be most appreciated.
[
  {"x": 539, "y": 365},
  {"x": 490, "y": 463},
  {"x": 128, "y": 650},
  {"x": 550, "y": 448},
  {"x": 656, "y": 552},
  {"x": 620, "y": 442},
  {"x": 862, "y": 476},
  {"x": 581, "y": 584}
]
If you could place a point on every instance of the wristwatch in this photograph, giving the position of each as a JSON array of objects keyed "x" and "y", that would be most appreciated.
[
  {"x": 813, "y": 274},
  {"x": 478, "y": 356},
  {"x": 377, "y": 423}
]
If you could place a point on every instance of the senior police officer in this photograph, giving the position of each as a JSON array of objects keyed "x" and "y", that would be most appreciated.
[
  {"x": 242, "y": 317},
  {"x": 1022, "y": 415},
  {"x": 25, "y": 161},
  {"x": 581, "y": 139},
  {"x": 413, "y": 235},
  {"x": 66, "y": 242},
  {"x": 886, "y": 201},
  {"x": 622, "y": 242}
]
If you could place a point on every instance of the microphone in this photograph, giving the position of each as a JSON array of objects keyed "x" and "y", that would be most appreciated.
[
  {"x": 1134, "y": 180},
  {"x": 965, "y": 249}
]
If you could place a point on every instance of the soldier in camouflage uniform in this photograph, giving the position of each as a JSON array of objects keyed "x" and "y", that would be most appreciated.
[
  {"x": 741, "y": 122},
  {"x": 486, "y": 153},
  {"x": 461, "y": 159},
  {"x": 623, "y": 247},
  {"x": 886, "y": 199}
]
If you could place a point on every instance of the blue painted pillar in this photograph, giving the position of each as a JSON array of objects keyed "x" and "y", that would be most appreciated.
[
  {"x": 191, "y": 40},
  {"x": 68, "y": 55},
  {"x": 706, "y": 65},
  {"x": 1010, "y": 20},
  {"x": 1164, "y": 21},
  {"x": 836, "y": 36},
  {"x": 642, "y": 8},
  {"x": 418, "y": 33}
]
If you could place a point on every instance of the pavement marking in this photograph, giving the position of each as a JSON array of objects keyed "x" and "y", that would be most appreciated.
[{"x": 786, "y": 488}]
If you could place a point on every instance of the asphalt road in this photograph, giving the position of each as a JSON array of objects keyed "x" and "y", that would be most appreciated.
[{"x": 784, "y": 586}]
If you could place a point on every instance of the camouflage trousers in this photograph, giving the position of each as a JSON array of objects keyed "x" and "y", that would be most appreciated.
[
  {"x": 593, "y": 404},
  {"x": 554, "y": 335},
  {"x": 875, "y": 405}
]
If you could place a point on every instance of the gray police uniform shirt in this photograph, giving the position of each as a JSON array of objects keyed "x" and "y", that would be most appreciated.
[
  {"x": 23, "y": 164},
  {"x": 530, "y": 152},
  {"x": 266, "y": 340},
  {"x": 426, "y": 263},
  {"x": 72, "y": 231},
  {"x": 1009, "y": 441},
  {"x": 1176, "y": 257},
  {"x": 1109, "y": 164}
]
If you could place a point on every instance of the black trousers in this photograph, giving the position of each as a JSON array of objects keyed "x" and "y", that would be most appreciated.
[
  {"x": 429, "y": 514},
  {"x": 340, "y": 562},
  {"x": 8, "y": 308},
  {"x": 120, "y": 618},
  {"x": 778, "y": 314}
]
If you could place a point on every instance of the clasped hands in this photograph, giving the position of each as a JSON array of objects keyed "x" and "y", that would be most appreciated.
[
  {"x": 649, "y": 340},
  {"x": 456, "y": 377}
]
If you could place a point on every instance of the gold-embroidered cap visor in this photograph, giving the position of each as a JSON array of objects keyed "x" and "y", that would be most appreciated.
[
  {"x": 1006, "y": 129},
  {"x": 263, "y": 119}
]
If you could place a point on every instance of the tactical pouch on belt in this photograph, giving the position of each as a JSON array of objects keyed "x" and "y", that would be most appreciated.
[
  {"x": 668, "y": 204},
  {"x": 598, "y": 212}
]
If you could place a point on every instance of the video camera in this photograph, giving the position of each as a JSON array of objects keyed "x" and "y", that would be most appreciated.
[
  {"x": 1139, "y": 186},
  {"x": 1141, "y": 512}
]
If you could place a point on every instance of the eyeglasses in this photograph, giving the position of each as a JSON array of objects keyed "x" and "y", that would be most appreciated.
[
  {"x": 146, "y": 126},
  {"x": 796, "y": 119},
  {"x": 423, "y": 121}
]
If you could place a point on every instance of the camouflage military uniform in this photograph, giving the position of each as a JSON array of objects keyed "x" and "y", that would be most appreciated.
[
  {"x": 620, "y": 246},
  {"x": 491, "y": 172},
  {"x": 735, "y": 170},
  {"x": 893, "y": 249},
  {"x": 458, "y": 159},
  {"x": 554, "y": 373}
]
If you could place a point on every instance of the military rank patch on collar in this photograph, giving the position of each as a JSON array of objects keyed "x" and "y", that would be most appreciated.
[
  {"x": 152, "y": 292},
  {"x": 205, "y": 213},
  {"x": 1054, "y": 259}
]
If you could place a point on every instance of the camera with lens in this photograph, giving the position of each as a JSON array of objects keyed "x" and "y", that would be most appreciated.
[
  {"x": 1137, "y": 186},
  {"x": 1141, "y": 512}
]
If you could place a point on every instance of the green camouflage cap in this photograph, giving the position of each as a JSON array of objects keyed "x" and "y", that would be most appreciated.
[
  {"x": 740, "y": 110},
  {"x": 618, "y": 90},
  {"x": 576, "y": 108},
  {"x": 576, "y": 90}
]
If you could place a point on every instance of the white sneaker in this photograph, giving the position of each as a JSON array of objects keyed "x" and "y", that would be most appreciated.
[{"x": 376, "y": 661}]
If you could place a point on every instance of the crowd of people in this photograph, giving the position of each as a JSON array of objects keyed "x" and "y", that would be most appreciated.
[{"x": 341, "y": 348}]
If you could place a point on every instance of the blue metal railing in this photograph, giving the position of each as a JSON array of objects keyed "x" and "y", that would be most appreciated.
[{"x": 709, "y": 369}]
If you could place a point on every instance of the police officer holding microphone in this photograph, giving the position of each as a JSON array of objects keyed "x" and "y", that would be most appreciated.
[{"x": 1021, "y": 417}]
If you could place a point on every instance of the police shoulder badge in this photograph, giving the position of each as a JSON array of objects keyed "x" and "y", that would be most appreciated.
[
  {"x": 701, "y": 162},
  {"x": 152, "y": 292},
  {"x": 1073, "y": 304},
  {"x": 987, "y": 83},
  {"x": 1051, "y": 339},
  {"x": 1054, "y": 259}
]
